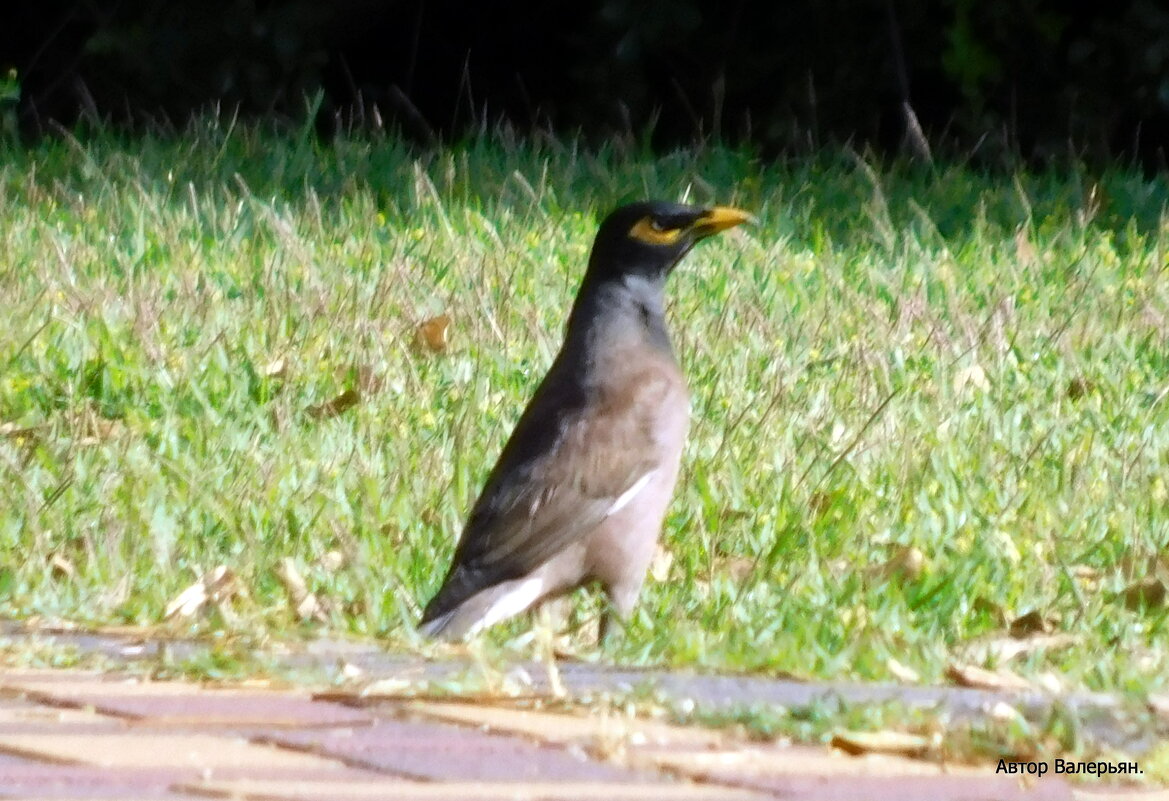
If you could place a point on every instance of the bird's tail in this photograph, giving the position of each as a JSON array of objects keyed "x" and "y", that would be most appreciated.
[{"x": 438, "y": 628}]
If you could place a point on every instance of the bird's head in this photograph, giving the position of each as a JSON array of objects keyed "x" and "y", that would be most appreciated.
[{"x": 648, "y": 239}]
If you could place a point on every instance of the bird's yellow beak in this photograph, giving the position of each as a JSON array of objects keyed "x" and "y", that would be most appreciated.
[{"x": 720, "y": 218}]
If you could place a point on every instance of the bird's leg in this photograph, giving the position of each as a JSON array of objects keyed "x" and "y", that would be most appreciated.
[
  {"x": 611, "y": 626},
  {"x": 490, "y": 675},
  {"x": 546, "y": 650},
  {"x": 604, "y": 630},
  {"x": 614, "y": 618}
]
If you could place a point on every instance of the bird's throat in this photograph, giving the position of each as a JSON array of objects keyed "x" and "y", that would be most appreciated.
[{"x": 628, "y": 311}]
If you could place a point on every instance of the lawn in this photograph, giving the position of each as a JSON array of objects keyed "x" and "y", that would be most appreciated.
[{"x": 926, "y": 404}]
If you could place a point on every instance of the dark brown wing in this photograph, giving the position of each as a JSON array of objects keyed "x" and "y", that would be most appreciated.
[{"x": 570, "y": 459}]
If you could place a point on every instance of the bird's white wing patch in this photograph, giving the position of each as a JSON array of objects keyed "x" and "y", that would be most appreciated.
[
  {"x": 630, "y": 493},
  {"x": 522, "y": 593},
  {"x": 516, "y": 599}
]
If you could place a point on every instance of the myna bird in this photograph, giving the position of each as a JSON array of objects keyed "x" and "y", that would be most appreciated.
[{"x": 580, "y": 490}]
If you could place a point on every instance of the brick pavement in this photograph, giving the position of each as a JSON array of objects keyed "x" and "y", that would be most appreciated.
[{"x": 79, "y": 735}]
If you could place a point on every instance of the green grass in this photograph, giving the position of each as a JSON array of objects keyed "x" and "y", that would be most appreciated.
[{"x": 971, "y": 366}]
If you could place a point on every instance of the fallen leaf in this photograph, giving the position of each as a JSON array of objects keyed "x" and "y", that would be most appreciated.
[
  {"x": 983, "y": 679},
  {"x": 355, "y": 607},
  {"x": 304, "y": 602},
  {"x": 839, "y": 568},
  {"x": 332, "y": 561},
  {"x": 62, "y": 567},
  {"x": 392, "y": 687},
  {"x": 1139, "y": 563},
  {"x": 1001, "y": 710},
  {"x": 1032, "y": 622},
  {"x": 254, "y": 683},
  {"x": 217, "y": 586},
  {"x": 14, "y": 431},
  {"x": 990, "y": 608},
  {"x": 432, "y": 334},
  {"x": 1051, "y": 682},
  {"x": 1000, "y": 650},
  {"x": 52, "y": 625},
  {"x": 906, "y": 564},
  {"x": 338, "y": 405},
  {"x": 1089, "y": 575},
  {"x": 116, "y": 595},
  {"x": 881, "y": 742},
  {"x": 188, "y": 602},
  {"x": 395, "y": 536},
  {"x": 659, "y": 567},
  {"x": 738, "y": 568},
  {"x": 90, "y": 428},
  {"x": 277, "y": 368},
  {"x": 1144, "y": 594},
  {"x": 973, "y": 376},
  {"x": 1079, "y": 386},
  {"x": 902, "y": 673},
  {"x": 1159, "y": 705}
]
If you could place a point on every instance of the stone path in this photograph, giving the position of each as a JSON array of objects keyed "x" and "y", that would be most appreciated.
[
  {"x": 1104, "y": 719},
  {"x": 86, "y": 735}
]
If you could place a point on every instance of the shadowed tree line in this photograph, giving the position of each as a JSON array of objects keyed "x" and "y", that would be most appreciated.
[{"x": 993, "y": 79}]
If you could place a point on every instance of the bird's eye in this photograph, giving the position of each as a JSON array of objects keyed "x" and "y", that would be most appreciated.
[{"x": 654, "y": 232}]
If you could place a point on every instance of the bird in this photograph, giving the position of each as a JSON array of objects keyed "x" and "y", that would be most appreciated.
[{"x": 581, "y": 487}]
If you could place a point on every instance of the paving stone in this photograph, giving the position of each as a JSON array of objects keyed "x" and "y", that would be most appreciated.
[
  {"x": 823, "y": 775},
  {"x": 102, "y": 794},
  {"x": 477, "y": 791},
  {"x": 162, "y": 741},
  {"x": 793, "y": 760},
  {"x": 19, "y": 710},
  {"x": 25, "y": 717},
  {"x": 202, "y": 753},
  {"x": 184, "y": 703},
  {"x": 605, "y": 731},
  {"x": 10, "y": 761},
  {"x": 917, "y": 788},
  {"x": 815, "y": 773},
  {"x": 44, "y": 780},
  {"x": 444, "y": 752},
  {"x": 45, "y": 674},
  {"x": 1106, "y": 721},
  {"x": 141, "y": 781}
]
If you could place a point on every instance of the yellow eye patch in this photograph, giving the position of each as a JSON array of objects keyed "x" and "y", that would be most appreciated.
[{"x": 646, "y": 231}]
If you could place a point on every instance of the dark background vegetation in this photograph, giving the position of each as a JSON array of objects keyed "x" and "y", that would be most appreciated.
[{"x": 994, "y": 80}]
